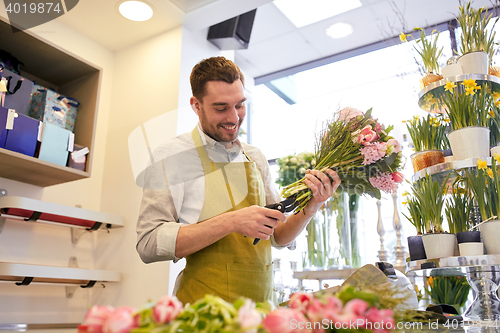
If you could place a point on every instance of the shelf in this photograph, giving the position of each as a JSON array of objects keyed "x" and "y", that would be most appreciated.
[
  {"x": 442, "y": 170},
  {"x": 454, "y": 262},
  {"x": 430, "y": 98},
  {"x": 67, "y": 74},
  {"x": 53, "y": 274},
  {"x": 24, "y": 208},
  {"x": 329, "y": 274}
]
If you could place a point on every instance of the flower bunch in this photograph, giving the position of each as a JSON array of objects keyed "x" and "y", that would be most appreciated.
[
  {"x": 458, "y": 208},
  {"x": 293, "y": 167},
  {"x": 468, "y": 104},
  {"x": 349, "y": 310},
  {"x": 427, "y": 48},
  {"x": 428, "y": 133},
  {"x": 360, "y": 150}
]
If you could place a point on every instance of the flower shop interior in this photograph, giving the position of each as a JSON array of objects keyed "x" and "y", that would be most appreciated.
[{"x": 303, "y": 62}]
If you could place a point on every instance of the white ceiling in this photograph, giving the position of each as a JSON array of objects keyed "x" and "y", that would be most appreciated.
[{"x": 275, "y": 43}]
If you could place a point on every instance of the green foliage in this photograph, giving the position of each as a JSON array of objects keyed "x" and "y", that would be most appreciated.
[
  {"x": 428, "y": 133},
  {"x": 293, "y": 167},
  {"x": 452, "y": 290},
  {"x": 458, "y": 209},
  {"x": 484, "y": 184}
]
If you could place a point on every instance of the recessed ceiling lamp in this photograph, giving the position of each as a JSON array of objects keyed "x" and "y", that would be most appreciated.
[
  {"x": 302, "y": 13},
  {"x": 339, "y": 30},
  {"x": 136, "y": 10}
]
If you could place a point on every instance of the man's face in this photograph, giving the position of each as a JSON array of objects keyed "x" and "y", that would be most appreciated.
[{"x": 222, "y": 110}]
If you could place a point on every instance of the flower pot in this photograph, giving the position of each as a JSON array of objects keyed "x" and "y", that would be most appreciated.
[
  {"x": 490, "y": 232},
  {"x": 470, "y": 142},
  {"x": 426, "y": 158},
  {"x": 469, "y": 237},
  {"x": 429, "y": 78},
  {"x": 471, "y": 249},
  {"x": 474, "y": 63},
  {"x": 416, "y": 248},
  {"x": 439, "y": 245},
  {"x": 452, "y": 70},
  {"x": 494, "y": 70}
]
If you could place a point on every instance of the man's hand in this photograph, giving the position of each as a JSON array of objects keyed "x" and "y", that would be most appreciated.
[
  {"x": 321, "y": 187},
  {"x": 256, "y": 222}
]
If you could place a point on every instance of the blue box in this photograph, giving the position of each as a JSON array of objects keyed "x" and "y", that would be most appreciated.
[
  {"x": 23, "y": 136},
  {"x": 18, "y": 92},
  {"x": 54, "y": 144}
]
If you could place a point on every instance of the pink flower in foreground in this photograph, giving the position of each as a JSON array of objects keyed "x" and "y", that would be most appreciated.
[
  {"x": 348, "y": 113},
  {"x": 384, "y": 182},
  {"x": 285, "y": 320},
  {"x": 166, "y": 309},
  {"x": 395, "y": 144},
  {"x": 384, "y": 317},
  {"x": 329, "y": 310},
  {"x": 120, "y": 321},
  {"x": 96, "y": 317},
  {"x": 249, "y": 317},
  {"x": 373, "y": 152},
  {"x": 398, "y": 177},
  {"x": 301, "y": 301},
  {"x": 367, "y": 135}
]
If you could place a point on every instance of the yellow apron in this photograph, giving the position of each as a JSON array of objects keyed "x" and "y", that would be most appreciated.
[{"x": 232, "y": 266}]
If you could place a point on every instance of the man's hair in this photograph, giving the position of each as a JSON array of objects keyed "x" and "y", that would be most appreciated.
[{"x": 213, "y": 69}]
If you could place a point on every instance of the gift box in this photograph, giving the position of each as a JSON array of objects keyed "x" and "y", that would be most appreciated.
[
  {"x": 18, "y": 92},
  {"x": 78, "y": 157},
  {"x": 19, "y": 133},
  {"x": 56, "y": 143},
  {"x": 50, "y": 107}
]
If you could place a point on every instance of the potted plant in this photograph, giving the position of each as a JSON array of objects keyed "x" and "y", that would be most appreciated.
[
  {"x": 484, "y": 183},
  {"x": 430, "y": 195},
  {"x": 429, "y": 140},
  {"x": 468, "y": 107},
  {"x": 457, "y": 210},
  {"x": 415, "y": 244},
  {"x": 427, "y": 48},
  {"x": 476, "y": 45},
  {"x": 452, "y": 290}
]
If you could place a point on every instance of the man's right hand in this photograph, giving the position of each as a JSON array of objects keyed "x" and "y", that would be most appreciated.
[{"x": 256, "y": 222}]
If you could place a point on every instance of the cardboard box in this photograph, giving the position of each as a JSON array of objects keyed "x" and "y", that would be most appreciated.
[{"x": 56, "y": 144}]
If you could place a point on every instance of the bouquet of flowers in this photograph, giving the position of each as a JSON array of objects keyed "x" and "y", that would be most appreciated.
[{"x": 360, "y": 150}]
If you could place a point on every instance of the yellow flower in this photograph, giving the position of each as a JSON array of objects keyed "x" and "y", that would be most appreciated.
[
  {"x": 482, "y": 165},
  {"x": 489, "y": 172},
  {"x": 449, "y": 86},
  {"x": 402, "y": 37},
  {"x": 470, "y": 83},
  {"x": 470, "y": 91},
  {"x": 497, "y": 157},
  {"x": 447, "y": 120},
  {"x": 406, "y": 193},
  {"x": 496, "y": 95},
  {"x": 492, "y": 114},
  {"x": 497, "y": 103},
  {"x": 405, "y": 202}
]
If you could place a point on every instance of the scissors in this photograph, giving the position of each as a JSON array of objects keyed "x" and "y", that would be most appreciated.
[{"x": 284, "y": 206}]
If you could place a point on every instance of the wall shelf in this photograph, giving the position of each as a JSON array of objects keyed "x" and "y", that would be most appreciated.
[{"x": 329, "y": 274}]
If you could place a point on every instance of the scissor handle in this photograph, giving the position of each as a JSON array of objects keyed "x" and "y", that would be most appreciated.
[{"x": 278, "y": 206}]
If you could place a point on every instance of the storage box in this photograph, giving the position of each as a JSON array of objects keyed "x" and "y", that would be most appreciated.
[
  {"x": 19, "y": 133},
  {"x": 56, "y": 144},
  {"x": 50, "y": 107},
  {"x": 78, "y": 157},
  {"x": 18, "y": 92}
]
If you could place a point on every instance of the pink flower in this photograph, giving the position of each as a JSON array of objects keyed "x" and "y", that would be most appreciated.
[
  {"x": 319, "y": 311},
  {"x": 285, "y": 320},
  {"x": 249, "y": 317},
  {"x": 301, "y": 301},
  {"x": 378, "y": 128},
  {"x": 367, "y": 135},
  {"x": 373, "y": 152},
  {"x": 384, "y": 182},
  {"x": 348, "y": 113},
  {"x": 395, "y": 144},
  {"x": 356, "y": 306},
  {"x": 384, "y": 317},
  {"x": 166, "y": 309},
  {"x": 398, "y": 177},
  {"x": 120, "y": 321},
  {"x": 96, "y": 317}
]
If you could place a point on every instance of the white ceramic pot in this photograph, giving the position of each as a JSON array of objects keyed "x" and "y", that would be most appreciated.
[
  {"x": 474, "y": 63},
  {"x": 471, "y": 249},
  {"x": 490, "y": 233},
  {"x": 439, "y": 245},
  {"x": 470, "y": 142},
  {"x": 494, "y": 150},
  {"x": 451, "y": 70}
]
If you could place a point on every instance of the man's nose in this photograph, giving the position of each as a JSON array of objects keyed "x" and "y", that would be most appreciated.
[{"x": 233, "y": 115}]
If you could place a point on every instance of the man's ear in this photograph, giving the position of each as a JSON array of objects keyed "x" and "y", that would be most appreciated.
[{"x": 195, "y": 105}]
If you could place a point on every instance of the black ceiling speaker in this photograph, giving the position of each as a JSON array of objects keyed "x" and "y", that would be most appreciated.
[{"x": 233, "y": 34}]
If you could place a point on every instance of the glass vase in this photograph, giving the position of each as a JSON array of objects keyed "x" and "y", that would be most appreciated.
[{"x": 338, "y": 232}]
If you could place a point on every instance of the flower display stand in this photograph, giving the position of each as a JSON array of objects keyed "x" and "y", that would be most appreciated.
[{"x": 483, "y": 275}]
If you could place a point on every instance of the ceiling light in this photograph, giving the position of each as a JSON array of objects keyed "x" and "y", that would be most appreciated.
[
  {"x": 136, "y": 10},
  {"x": 339, "y": 30},
  {"x": 302, "y": 13}
]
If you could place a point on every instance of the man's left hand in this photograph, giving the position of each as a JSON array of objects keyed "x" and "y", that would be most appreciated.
[{"x": 321, "y": 186}]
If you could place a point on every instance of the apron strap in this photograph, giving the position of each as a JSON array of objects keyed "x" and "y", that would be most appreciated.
[{"x": 208, "y": 166}]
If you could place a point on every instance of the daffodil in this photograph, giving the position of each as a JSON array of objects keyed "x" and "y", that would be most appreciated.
[
  {"x": 470, "y": 91},
  {"x": 482, "y": 165},
  {"x": 496, "y": 157},
  {"x": 497, "y": 103},
  {"x": 405, "y": 202},
  {"x": 496, "y": 95},
  {"x": 489, "y": 172},
  {"x": 492, "y": 114},
  {"x": 471, "y": 83},
  {"x": 406, "y": 193},
  {"x": 403, "y": 36},
  {"x": 449, "y": 86}
]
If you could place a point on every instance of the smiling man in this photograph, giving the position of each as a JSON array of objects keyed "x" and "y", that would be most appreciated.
[{"x": 205, "y": 200}]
